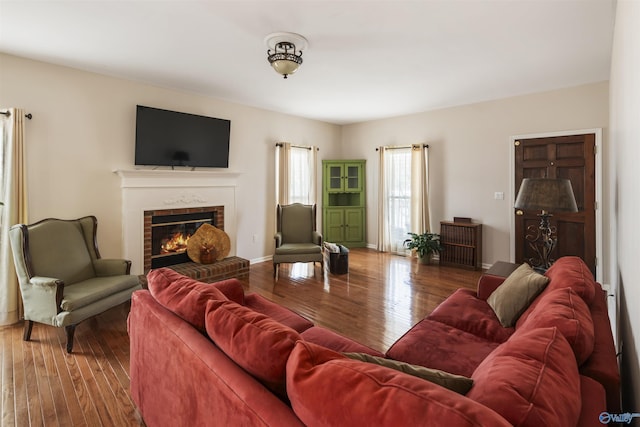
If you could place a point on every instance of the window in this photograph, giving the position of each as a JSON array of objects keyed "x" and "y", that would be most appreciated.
[
  {"x": 399, "y": 196},
  {"x": 295, "y": 174},
  {"x": 300, "y": 172},
  {"x": 403, "y": 198}
]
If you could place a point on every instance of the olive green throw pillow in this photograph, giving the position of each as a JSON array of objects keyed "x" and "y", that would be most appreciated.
[
  {"x": 515, "y": 294},
  {"x": 453, "y": 382}
]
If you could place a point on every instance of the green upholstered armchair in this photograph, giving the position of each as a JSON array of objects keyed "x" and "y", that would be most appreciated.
[
  {"x": 63, "y": 280},
  {"x": 296, "y": 238}
]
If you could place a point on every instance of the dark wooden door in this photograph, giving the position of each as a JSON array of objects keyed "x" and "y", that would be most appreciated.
[{"x": 571, "y": 157}]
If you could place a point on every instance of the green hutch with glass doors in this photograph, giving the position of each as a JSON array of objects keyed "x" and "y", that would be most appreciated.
[{"x": 343, "y": 202}]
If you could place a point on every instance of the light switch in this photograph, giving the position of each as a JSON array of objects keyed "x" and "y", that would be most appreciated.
[{"x": 498, "y": 195}]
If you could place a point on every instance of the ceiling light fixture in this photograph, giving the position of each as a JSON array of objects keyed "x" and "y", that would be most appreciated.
[{"x": 284, "y": 51}]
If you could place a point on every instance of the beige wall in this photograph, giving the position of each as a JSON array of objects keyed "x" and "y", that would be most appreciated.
[
  {"x": 470, "y": 153},
  {"x": 83, "y": 128},
  {"x": 625, "y": 190}
]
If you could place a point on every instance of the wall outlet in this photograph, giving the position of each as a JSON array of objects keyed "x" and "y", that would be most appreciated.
[{"x": 255, "y": 238}]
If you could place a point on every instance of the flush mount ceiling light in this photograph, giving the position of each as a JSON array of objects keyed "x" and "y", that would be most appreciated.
[{"x": 285, "y": 51}]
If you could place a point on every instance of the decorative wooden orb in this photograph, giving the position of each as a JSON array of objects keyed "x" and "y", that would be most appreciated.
[{"x": 208, "y": 244}]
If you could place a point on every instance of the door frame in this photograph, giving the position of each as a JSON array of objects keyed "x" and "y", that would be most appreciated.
[{"x": 598, "y": 188}]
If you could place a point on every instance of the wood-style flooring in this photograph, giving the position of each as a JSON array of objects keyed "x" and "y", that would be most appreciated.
[{"x": 382, "y": 296}]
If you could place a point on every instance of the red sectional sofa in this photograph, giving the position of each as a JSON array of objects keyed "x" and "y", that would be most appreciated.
[{"x": 207, "y": 354}]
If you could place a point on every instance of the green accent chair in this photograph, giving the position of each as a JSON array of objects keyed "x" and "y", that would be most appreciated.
[
  {"x": 63, "y": 280},
  {"x": 297, "y": 239}
]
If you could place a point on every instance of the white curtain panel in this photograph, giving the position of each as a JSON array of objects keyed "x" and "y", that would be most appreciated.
[
  {"x": 420, "y": 215},
  {"x": 283, "y": 150},
  {"x": 383, "y": 233},
  {"x": 296, "y": 174},
  {"x": 313, "y": 173},
  {"x": 13, "y": 195}
]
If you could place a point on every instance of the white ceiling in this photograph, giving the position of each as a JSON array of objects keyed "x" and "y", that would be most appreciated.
[{"x": 366, "y": 59}]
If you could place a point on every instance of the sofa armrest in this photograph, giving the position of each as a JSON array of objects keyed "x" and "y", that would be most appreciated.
[
  {"x": 602, "y": 365},
  {"x": 594, "y": 402},
  {"x": 278, "y": 238},
  {"x": 111, "y": 267},
  {"x": 487, "y": 284}
]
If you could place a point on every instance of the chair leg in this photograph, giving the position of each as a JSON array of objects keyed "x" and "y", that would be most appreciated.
[
  {"x": 70, "y": 330},
  {"x": 28, "y": 326}
]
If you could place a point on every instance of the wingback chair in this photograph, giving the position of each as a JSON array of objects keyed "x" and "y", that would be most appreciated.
[
  {"x": 296, "y": 237},
  {"x": 63, "y": 280}
]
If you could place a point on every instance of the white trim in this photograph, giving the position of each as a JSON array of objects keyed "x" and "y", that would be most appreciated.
[{"x": 598, "y": 187}]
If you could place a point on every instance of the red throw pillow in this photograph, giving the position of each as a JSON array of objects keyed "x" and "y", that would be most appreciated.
[
  {"x": 257, "y": 343},
  {"x": 531, "y": 380},
  {"x": 566, "y": 310},
  {"x": 327, "y": 389},
  {"x": 182, "y": 295}
]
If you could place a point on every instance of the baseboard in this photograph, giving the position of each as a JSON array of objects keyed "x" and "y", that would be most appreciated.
[{"x": 262, "y": 259}]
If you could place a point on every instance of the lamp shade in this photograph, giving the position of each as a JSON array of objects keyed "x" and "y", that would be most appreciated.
[
  {"x": 547, "y": 194},
  {"x": 285, "y": 66}
]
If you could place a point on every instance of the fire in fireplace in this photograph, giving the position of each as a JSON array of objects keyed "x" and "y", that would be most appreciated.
[
  {"x": 176, "y": 243},
  {"x": 167, "y": 233}
]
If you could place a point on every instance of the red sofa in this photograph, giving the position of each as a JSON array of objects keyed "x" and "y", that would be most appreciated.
[{"x": 211, "y": 355}]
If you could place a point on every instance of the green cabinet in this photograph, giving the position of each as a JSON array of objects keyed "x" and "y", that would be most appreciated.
[{"x": 343, "y": 199}]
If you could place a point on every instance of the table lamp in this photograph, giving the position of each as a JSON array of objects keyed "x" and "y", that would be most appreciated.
[{"x": 547, "y": 195}]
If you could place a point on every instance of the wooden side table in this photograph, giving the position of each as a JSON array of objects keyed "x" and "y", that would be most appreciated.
[
  {"x": 502, "y": 269},
  {"x": 493, "y": 277}
]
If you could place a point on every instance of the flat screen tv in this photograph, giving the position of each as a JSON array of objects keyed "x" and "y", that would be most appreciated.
[{"x": 170, "y": 138}]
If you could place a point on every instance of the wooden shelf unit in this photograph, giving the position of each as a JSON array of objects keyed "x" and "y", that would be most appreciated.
[{"x": 462, "y": 242}]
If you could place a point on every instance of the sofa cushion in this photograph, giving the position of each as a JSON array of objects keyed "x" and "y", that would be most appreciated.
[
  {"x": 182, "y": 295},
  {"x": 231, "y": 288},
  {"x": 566, "y": 310},
  {"x": 439, "y": 346},
  {"x": 515, "y": 294},
  {"x": 326, "y": 389},
  {"x": 531, "y": 380},
  {"x": 465, "y": 311},
  {"x": 257, "y": 343},
  {"x": 568, "y": 272},
  {"x": 277, "y": 312},
  {"x": 572, "y": 272},
  {"x": 453, "y": 382},
  {"x": 336, "y": 342}
]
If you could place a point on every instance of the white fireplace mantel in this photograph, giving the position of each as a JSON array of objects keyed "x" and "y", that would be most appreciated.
[
  {"x": 144, "y": 189},
  {"x": 175, "y": 178}
]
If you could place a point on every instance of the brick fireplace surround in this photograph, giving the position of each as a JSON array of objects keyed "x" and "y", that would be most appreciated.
[{"x": 163, "y": 192}]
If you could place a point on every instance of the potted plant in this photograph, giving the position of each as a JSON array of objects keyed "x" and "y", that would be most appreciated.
[{"x": 425, "y": 244}]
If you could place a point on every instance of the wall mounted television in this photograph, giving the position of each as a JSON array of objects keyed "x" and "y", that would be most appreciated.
[{"x": 171, "y": 138}]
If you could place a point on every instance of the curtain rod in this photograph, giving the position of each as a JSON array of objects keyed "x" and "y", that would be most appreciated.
[
  {"x": 397, "y": 147},
  {"x": 8, "y": 113},
  {"x": 279, "y": 144}
]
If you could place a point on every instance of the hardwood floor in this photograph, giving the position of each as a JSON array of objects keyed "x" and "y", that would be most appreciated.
[{"x": 382, "y": 296}]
